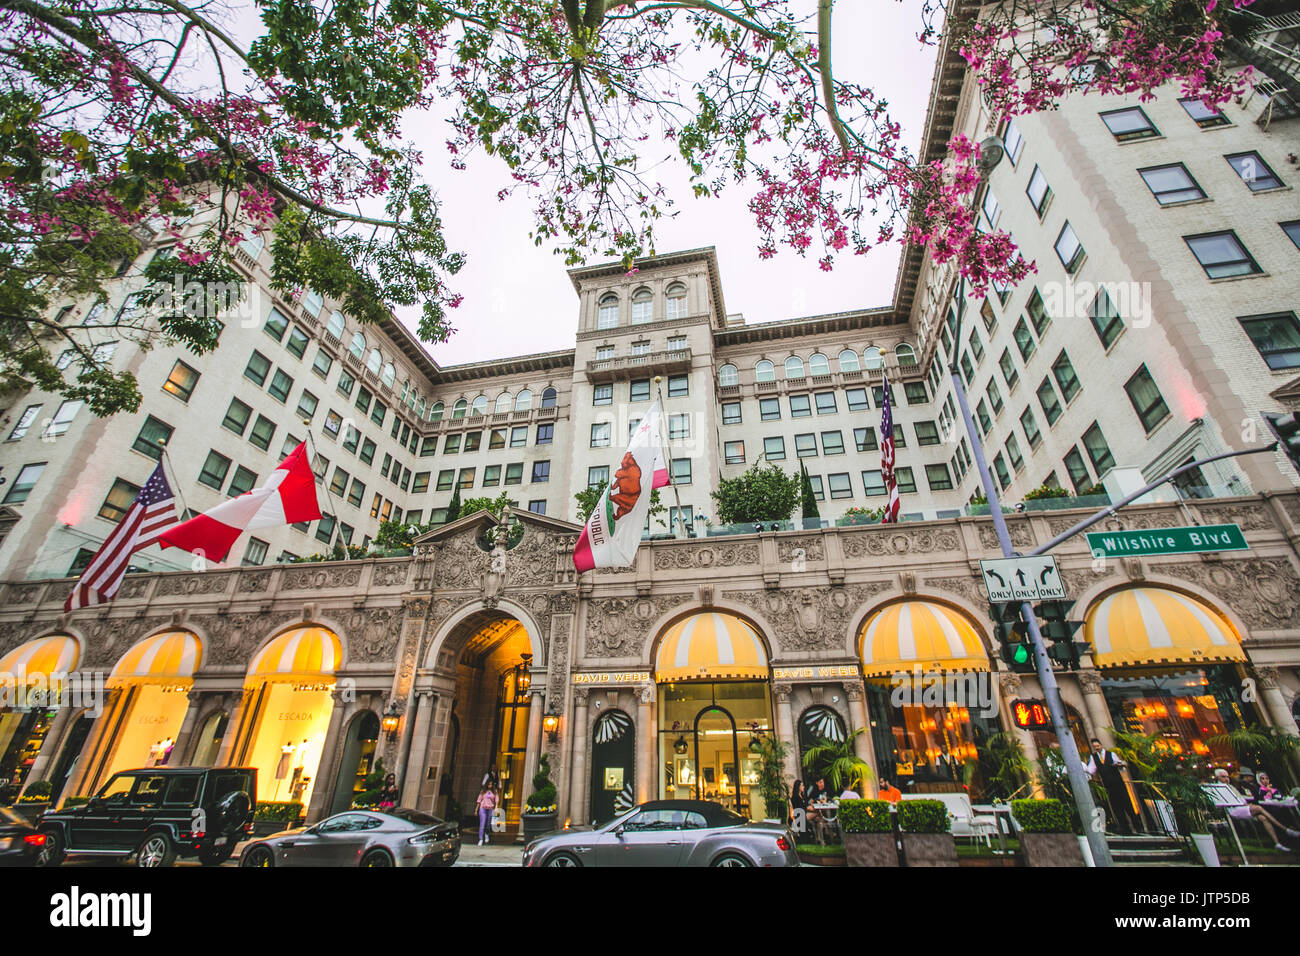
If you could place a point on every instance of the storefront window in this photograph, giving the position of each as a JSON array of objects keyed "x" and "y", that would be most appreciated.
[
  {"x": 22, "y": 732},
  {"x": 1185, "y": 709}
]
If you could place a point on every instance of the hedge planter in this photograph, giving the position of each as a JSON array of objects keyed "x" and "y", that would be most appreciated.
[
  {"x": 538, "y": 824},
  {"x": 930, "y": 849},
  {"x": 868, "y": 827},
  {"x": 1051, "y": 849},
  {"x": 870, "y": 849}
]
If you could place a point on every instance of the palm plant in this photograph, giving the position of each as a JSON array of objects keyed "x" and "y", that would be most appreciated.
[
  {"x": 1003, "y": 765},
  {"x": 1171, "y": 776},
  {"x": 838, "y": 761},
  {"x": 1261, "y": 746}
]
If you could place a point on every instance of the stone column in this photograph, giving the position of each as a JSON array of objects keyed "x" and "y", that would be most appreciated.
[
  {"x": 1094, "y": 702},
  {"x": 50, "y": 747},
  {"x": 863, "y": 744},
  {"x": 96, "y": 740},
  {"x": 426, "y": 704},
  {"x": 181, "y": 748},
  {"x": 533, "y": 742},
  {"x": 647, "y": 739},
  {"x": 1008, "y": 688},
  {"x": 327, "y": 768},
  {"x": 785, "y": 730},
  {"x": 578, "y": 809},
  {"x": 226, "y": 755},
  {"x": 1279, "y": 715}
]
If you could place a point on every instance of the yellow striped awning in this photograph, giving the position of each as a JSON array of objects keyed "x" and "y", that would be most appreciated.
[
  {"x": 167, "y": 658},
  {"x": 910, "y": 634},
  {"x": 304, "y": 653},
  {"x": 54, "y": 654},
  {"x": 1145, "y": 625},
  {"x": 711, "y": 646}
]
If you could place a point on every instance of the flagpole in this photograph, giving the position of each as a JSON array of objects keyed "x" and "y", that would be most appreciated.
[
  {"x": 668, "y": 460},
  {"x": 175, "y": 478},
  {"x": 311, "y": 446}
]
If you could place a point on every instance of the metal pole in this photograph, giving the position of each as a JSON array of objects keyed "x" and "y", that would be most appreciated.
[{"x": 1046, "y": 678}]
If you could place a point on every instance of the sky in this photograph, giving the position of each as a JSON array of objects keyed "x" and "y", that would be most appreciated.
[{"x": 518, "y": 297}]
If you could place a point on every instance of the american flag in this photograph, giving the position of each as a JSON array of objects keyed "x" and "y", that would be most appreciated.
[
  {"x": 887, "y": 454},
  {"x": 153, "y": 511}
]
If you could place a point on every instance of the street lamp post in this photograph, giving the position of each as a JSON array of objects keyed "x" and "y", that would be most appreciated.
[{"x": 991, "y": 152}]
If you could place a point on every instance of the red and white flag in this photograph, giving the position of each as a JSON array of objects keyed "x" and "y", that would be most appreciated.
[
  {"x": 153, "y": 510},
  {"x": 613, "y": 532},
  {"x": 288, "y": 497}
]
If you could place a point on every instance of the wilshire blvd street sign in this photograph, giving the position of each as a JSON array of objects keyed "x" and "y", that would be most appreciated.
[{"x": 1210, "y": 537}]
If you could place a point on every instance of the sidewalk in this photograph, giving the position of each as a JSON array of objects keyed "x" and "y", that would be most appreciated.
[{"x": 494, "y": 854}]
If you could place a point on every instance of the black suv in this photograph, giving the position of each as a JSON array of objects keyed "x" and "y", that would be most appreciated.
[{"x": 157, "y": 815}]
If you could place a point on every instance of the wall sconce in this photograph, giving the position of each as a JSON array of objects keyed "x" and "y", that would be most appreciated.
[
  {"x": 390, "y": 721},
  {"x": 551, "y": 725}
]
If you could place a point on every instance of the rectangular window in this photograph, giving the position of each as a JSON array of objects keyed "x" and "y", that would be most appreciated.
[
  {"x": 681, "y": 471},
  {"x": 1221, "y": 254},
  {"x": 1205, "y": 116},
  {"x": 1105, "y": 317},
  {"x": 677, "y": 342},
  {"x": 119, "y": 500},
  {"x": 1277, "y": 337},
  {"x": 446, "y": 479},
  {"x": 320, "y": 466},
  {"x": 214, "y": 471},
  {"x": 276, "y": 324},
  {"x": 1078, "y": 471},
  {"x": 1147, "y": 401},
  {"x": 537, "y": 506},
  {"x": 840, "y": 485},
  {"x": 915, "y": 393},
  {"x": 967, "y": 368},
  {"x": 1030, "y": 425},
  {"x": 857, "y": 398},
  {"x": 865, "y": 439},
  {"x": 1038, "y": 316},
  {"x": 1038, "y": 191},
  {"x": 254, "y": 553},
  {"x": 679, "y": 426},
  {"x": 345, "y": 383},
  {"x": 519, "y": 436},
  {"x": 24, "y": 483},
  {"x": 639, "y": 390},
  {"x": 1292, "y": 229},
  {"x": 878, "y": 396},
  {"x": 604, "y": 353},
  {"x": 1254, "y": 172},
  {"x": 352, "y": 437},
  {"x": 927, "y": 433},
  {"x": 1010, "y": 374},
  {"x": 297, "y": 344},
  {"x": 938, "y": 477},
  {"x": 541, "y": 471},
  {"x": 237, "y": 416},
  {"x": 491, "y": 476},
  {"x": 154, "y": 434},
  {"x": 800, "y": 406},
  {"x": 1171, "y": 184},
  {"x": 1051, "y": 404},
  {"x": 1012, "y": 141},
  {"x": 515, "y": 473},
  {"x": 243, "y": 481},
  {"x": 1000, "y": 467},
  {"x": 333, "y": 424},
  {"x": 339, "y": 483},
  {"x": 258, "y": 367},
  {"x": 325, "y": 529},
  {"x": 262, "y": 433},
  {"x": 466, "y": 476},
  {"x": 1128, "y": 124},
  {"x": 1013, "y": 452},
  {"x": 377, "y": 413},
  {"x": 429, "y": 446},
  {"x": 731, "y": 413},
  {"x": 356, "y": 493},
  {"x": 826, "y": 403},
  {"x": 774, "y": 449},
  {"x": 982, "y": 414},
  {"x": 307, "y": 404},
  {"x": 597, "y": 475},
  {"x": 1024, "y": 340},
  {"x": 873, "y": 483},
  {"x": 600, "y": 434},
  {"x": 816, "y": 482},
  {"x": 734, "y": 452},
  {"x": 602, "y": 395},
  {"x": 995, "y": 396},
  {"x": 769, "y": 409},
  {"x": 497, "y": 438},
  {"x": 678, "y": 385},
  {"x": 281, "y": 385},
  {"x": 322, "y": 364},
  {"x": 832, "y": 443},
  {"x": 367, "y": 451},
  {"x": 545, "y": 434},
  {"x": 473, "y": 441},
  {"x": 1098, "y": 450},
  {"x": 363, "y": 399},
  {"x": 906, "y": 480},
  {"x": 1065, "y": 377},
  {"x": 181, "y": 381},
  {"x": 805, "y": 446},
  {"x": 451, "y": 445},
  {"x": 1069, "y": 250}
]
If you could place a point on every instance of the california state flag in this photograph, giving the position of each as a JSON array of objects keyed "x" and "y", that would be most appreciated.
[
  {"x": 613, "y": 532},
  {"x": 288, "y": 497}
]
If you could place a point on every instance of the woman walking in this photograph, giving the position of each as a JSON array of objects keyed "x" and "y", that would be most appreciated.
[
  {"x": 487, "y": 802},
  {"x": 388, "y": 794}
]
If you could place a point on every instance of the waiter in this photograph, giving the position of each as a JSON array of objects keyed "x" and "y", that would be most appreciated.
[{"x": 1108, "y": 765}]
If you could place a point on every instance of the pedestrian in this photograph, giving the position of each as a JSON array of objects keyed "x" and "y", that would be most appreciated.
[
  {"x": 491, "y": 776},
  {"x": 1108, "y": 766},
  {"x": 486, "y": 803},
  {"x": 388, "y": 793}
]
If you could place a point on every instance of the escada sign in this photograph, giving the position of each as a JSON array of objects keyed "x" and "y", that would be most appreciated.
[{"x": 1212, "y": 537}]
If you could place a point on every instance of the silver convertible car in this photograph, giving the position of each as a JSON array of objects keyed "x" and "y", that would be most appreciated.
[
  {"x": 669, "y": 833},
  {"x": 393, "y": 837}
]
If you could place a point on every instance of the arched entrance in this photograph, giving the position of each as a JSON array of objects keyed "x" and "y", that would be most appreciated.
[
  {"x": 288, "y": 713},
  {"x": 32, "y": 678},
  {"x": 358, "y": 759},
  {"x": 613, "y": 766},
  {"x": 715, "y": 704}
]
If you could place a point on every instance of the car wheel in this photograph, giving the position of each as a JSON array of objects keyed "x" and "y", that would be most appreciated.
[
  {"x": 51, "y": 852},
  {"x": 562, "y": 859},
  {"x": 258, "y": 856},
  {"x": 216, "y": 856},
  {"x": 731, "y": 859},
  {"x": 376, "y": 858},
  {"x": 156, "y": 850}
]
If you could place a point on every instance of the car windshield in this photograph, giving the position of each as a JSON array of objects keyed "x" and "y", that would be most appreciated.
[
  {"x": 414, "y": 816},
  {"x": 12, "y": 817}
]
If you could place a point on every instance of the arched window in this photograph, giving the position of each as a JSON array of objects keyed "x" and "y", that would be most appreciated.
[
  {"x": 502, "y": 403},
  {"x": 794, "y": 367},
  {"x": 373, "y": 361},
  {"x": 406, "y": 389},
  {"x": 524, "y": 400},
  {"x": 548, "y": 398},
  {"x": 312, "y": 301},
  {"x": 819, "y": 725},
  {"x": 335, "y": 325},
  {"x": 871, "y": 359},
  {"x": 460, "y": 408},
  {"x": 436, "y": 410},
  {"x": 389, "y": 374},
  {"x": 419, "y": 407},
  {"x": 607, "y": 315},
  {"x": 818, "y": 364},
  {"x": 676, "y": 301},
  {"x": 642, "y": 306},
  {"x": 849, "y": 361},
  {"x": 358, "y": 347},
  {"x": 906, "y": 355},
  {"x": 764, "y": 371},
  {"x": 479, "y": 407},
  {"x": 728, "y": 375},
  {"x": 253, "y": 245}
]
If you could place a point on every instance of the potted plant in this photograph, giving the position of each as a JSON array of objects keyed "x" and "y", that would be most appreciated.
[
  {"x": 371, "y": 787},
  {"x": 838, "y": 762},
  {"x": 540, "y": 810},
  {"x": 868, "y": 829},
  {"x": 1046, "y": 836},
  {"x": 927, "y": 838},
  {"x": 771, "y": 788},
  {"x": 35, "y": 801},
  {"x": 274, "y": 817},
  {"x": 1175, "y": 778}
]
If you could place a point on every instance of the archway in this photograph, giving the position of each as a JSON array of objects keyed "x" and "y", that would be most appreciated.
[
  {"x": 358, "y": 759},
  {"x": 32, "y": 678},
  {"x": 818, "y": 724},
  {"x": 613, "y": 766}
]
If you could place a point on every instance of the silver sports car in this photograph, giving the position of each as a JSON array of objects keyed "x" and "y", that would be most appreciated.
[
  {"x": 393, "y": 837},
  {"x": 669, "y": 833}
]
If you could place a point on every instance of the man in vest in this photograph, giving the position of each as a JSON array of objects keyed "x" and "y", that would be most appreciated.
[{"x": 1108, "y": 765}]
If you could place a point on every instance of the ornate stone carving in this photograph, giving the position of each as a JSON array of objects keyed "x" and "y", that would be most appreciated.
[
  {"x": 532, "y": 562},
  {"x": 109, "y": 638},
  {"x": 232, "y": 638},
  {"x": 460, "y": 563},
  {"x": 1020, "y": 532},
  {"x": 616, "y": 627},
  {"x": 24, "y": 593},
  {"x": 557, "y": 659},
  {"x": 1266, "y": 675},
  {"x": 1134, "y": 568},
  {"x": 687, "y": 556},
  {"x": 316, "y": 577},
  {"x": 1264, "y": 591},
  {"x": 898, "y": 540},
  {"x": 581, "y": 695},
  {"x": 253, "y": 582},
  {"x": 853, "y": 690},
  {"x": 207, "y": 582},
  {"x": 782, "y": 690},
  {"x": 968, "y": 586},
  {"x": 646, "y": 693},
  {"x": 390, "y": 575},
  {"x": 133, "y": 588},
  {"x": 1292, "y": 507},
  {"x": 809, "y": 619},
  {"x": 13, "y": 633},
  {"x": 788, "y": 549},
  {"x": 416, "y": 608},
  {"x": 374, "y": 634},
  {"x": 1008, "y": 683},
  {"x": 1090, "y": 681},
  {"x": 1078, "y": 580},
  {"x": 1251, "y": 517}
]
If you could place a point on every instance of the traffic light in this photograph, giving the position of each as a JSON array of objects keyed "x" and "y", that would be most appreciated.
[
  {"x": 1286, "y": 429},
  {"x": 1031, "y": 714},
  {"x": 1058, "y": 633},
  {"x": 1013, "y": 634}
]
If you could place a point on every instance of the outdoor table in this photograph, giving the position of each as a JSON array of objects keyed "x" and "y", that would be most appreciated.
[
  {"x": 829, "y": 810},
  {"x": 997, "y": 811},
  {"x": 1287, "y": 803}
]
